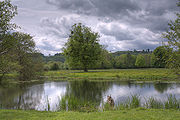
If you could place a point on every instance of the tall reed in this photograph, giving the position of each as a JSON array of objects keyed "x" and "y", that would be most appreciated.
[{"x": 172, "y": 102}]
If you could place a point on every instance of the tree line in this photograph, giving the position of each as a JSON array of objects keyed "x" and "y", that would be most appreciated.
[{"x": 116, "y": 60}]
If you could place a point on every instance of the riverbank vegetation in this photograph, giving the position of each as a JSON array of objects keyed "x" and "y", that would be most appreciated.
[{"x": 134, "y": 101}]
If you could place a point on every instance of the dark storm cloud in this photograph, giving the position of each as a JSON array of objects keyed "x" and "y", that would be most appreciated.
[
  {"x": 96, "y": 7},
  {"x": 124, "y": 10}
]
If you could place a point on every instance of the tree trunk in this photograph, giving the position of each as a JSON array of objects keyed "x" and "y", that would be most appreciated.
[{"x": 85, "y": 69}]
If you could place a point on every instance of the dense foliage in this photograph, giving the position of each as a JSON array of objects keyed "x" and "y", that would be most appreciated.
[
  {"x": 82, "y": 49},
  {"x": 17, "y": 50},
  {"x": 173, "y": 37},
  {"x": 125, "y": 60}
]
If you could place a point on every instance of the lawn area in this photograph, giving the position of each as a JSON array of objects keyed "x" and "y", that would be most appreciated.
[
  {"x": 116, "y": 74},
  {"x": 132, "y": 114}
]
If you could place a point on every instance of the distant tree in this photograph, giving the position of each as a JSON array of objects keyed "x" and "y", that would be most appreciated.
[
  {"x": 161, "y": 55},
  {"x": 130, "y": 60},
  {"x": 55, "y": 66},
  {"x": 173, "y": 37},
  {"x": 140, "y": 61},
  {"x": 120, "y": 61},
  {"x": 125, "y": 61},
  {"x": 82, "y": 49},
  {"x": 106, "y": 60},
  {"x": 147, "y": 58}
]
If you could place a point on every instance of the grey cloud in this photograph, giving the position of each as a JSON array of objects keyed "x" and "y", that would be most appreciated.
[
  {"x": 121, "y": 9},
  {"x": 143, "y": 44},
  {"x": 59, "y": 27},
  {"x": 158, "y": 7},
  {"x": 96, "y": 7},
  {"x": 116, "y": 31},
  {"x": 51, "y": 20}
]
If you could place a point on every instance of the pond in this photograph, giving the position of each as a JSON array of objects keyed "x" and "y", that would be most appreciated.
[{"x": 49, "y": 95}]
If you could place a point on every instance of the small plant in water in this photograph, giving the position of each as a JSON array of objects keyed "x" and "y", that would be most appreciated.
[
  {"x": 72, "y": 103},
  {"x": 172, "y": 102},
  {"x": 153, "y": 103},
  {"x": 48, "y": 104},
  {"x": 134, "y": 101}
]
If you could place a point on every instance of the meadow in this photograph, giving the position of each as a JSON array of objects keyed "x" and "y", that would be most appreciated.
[{"x": 149, "y": 74}]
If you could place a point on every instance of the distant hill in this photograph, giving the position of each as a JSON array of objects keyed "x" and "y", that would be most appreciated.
[
  {"x": 135, "y": 52},
  {"x": 59, "y": 57},
  {"x": 56, "y": 58}
]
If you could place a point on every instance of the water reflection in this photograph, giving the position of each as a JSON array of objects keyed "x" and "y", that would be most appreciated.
[{"x": 47, "y": 95}]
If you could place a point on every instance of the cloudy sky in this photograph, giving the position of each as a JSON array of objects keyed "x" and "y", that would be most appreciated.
[{"x": 122, "y": 24}]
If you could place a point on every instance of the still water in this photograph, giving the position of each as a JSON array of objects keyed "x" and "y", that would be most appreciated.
[{"x": 48, "y": 95}]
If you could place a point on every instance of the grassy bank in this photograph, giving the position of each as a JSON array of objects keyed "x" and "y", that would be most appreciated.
[
  {"x": 132, "y": 114},
  {"x": 114, "y": 74},
  {"x": 145, "y": 75}
]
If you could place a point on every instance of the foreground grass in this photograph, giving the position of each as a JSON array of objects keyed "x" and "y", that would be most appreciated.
[
  {"x": 116, "y": 74},
  {"x": 132, "y": 114}
]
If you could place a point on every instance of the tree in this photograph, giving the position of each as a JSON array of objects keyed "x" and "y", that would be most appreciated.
[
  {"x": 161, "y": 55},
  {"x": 55, "y": 66},
  {"x": 140, "y": 61},
  {"x": 125, "y": 61},
  {"x": 26, "y": 56},
  {"x": 17, "y": 50},
  {"x": 106, "y": 61},
  {"x": 147, "y": 60},
  {"x": 7, "y": 12},
  {"x": 173, "y": 37},
  {"x": 82, "y": 49}
]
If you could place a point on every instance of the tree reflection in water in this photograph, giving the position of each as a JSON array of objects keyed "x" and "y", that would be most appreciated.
[
  {"x": 21, "y": 96},
  {"x": 84, "y": 93},
  {"x": 78, "y": 94}
]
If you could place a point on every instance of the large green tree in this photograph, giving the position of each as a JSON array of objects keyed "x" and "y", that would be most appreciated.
[
  {"x": 173, "y": 37},
  {"x": 82, "y": 49}
]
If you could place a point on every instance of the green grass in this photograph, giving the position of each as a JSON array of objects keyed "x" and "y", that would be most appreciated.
[
  {"x": 126, "y": 114},
  {"x": 148, "y": 74},
  {"x": 152, "y": 74}
]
